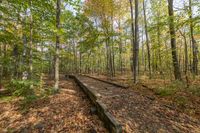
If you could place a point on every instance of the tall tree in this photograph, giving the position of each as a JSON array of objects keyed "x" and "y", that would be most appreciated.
[
  {"x": 31, "y": 42},
  {"x": 177, "y": 72},
  {"x": 136, "y": 46},
  {"x": 194, "y": 45},
  {"x": 185, "y": 52},
  {"x": 58, "y": 13},
  {"x": 147, "y": 39},
  {"x": 132, "y": 30}
]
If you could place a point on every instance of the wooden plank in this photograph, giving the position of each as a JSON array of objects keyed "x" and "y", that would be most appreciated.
[
  {"x": 109, "y": 121},
  {"x": 108, "y": 82}
]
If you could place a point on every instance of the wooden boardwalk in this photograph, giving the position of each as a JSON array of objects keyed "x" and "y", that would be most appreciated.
[{"x": 136, "y": 113}]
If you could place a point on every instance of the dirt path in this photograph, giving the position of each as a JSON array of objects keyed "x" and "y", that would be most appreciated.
[
  {"x": 137, "y": 113},
  {"x": 66, "y": 112}
]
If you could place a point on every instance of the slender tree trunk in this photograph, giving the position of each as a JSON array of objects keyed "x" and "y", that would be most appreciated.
[
  {"x": 4, "y": 68},
  {"x": 194, "y": 45},
  {"x": 24, "y": 40},
  {"x": 186, "y": 55},
  {"x": 133, "y": 64},
  {"x": 159, "y": 46},
  {"x": 113, "y": 51},
  {"x": 80, "y": 63},
  {"x": 136, "y": 48},
  {"x": 185, "y": 52},
  {"x": 107, "y": 58},
  {"x": 120, "y": 49},
  {"x": 31, "y": 43},
  {"x": 16, "y": 61},
  {"x": 120, "y": 56},
  {"x": 147, "y": 40},
  {"x": 58, "y": 12},
  {"x": 1, "y": 67},
  {"x": 75, "y": 56},
  {"x": 143, "y": 52},
  {"x": 177, "y": 72},
  {"x": 110, "y": 62}
]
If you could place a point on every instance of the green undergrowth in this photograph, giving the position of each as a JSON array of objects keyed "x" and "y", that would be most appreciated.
[
  {"x": 181, "y": 101},
  {"x": 194, "y": 89},
  {"x": 177, "y": 86},
  {"x": 179, "y": 92},
  {"x": 29, "y": 92},
  {"x": 170, "y": 89},
  {"x": 6, "y": 98}
]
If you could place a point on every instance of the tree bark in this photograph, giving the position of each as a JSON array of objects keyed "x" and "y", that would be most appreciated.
[
  {"x": 31, "y": 43},
  {"x": 185, "y": 52},
  {"x": 147, "y": 40},
  {"x": 133, "y": 41},
  {"x": 177, "y": 73},
  {"x": 194, "y": 45},
  {"x": 58, "y": 12},
  {"x": 136, "y": 46}
]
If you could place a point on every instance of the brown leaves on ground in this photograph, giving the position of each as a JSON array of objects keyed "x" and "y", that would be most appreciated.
[{"x": 67, "y": 111}]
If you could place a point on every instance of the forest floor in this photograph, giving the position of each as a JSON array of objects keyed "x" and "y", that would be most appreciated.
[
  {"x": 67, "y": 111},
  {"x": 140, "y": 108}
]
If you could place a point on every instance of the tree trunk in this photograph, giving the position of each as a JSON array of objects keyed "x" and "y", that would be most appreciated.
[
  {"x": 133, "y": 64},
  {"x": 185, "y": 52},
  {"x": 194, "y": 45},
  {"x": 147, "y": 40},
  {"x": 16, "y": 61},
  {"x": 58, "y": 10},
  {"x": 80, "y": 62},
  {"x": 31, "y": 43},
  {"x": 1, "y": 66},
  {"x": 177, "y": 73},
  {"x": 136, "y": 47}
]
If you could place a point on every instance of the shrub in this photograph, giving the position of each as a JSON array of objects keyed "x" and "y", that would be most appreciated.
[{"x": 23, "y": 87}]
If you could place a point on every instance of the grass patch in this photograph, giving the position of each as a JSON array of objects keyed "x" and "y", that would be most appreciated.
[
  {"x": 194, "y": 89},
  {"x": 181, "y": 101},
  {"x": 170, "y": 89},
  {"x": 6, "y": 98}
]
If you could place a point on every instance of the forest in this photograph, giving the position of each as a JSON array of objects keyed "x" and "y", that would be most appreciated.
[{"x": 95, "y": 66}]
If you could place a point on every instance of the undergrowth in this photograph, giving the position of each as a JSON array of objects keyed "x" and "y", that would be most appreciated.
[
  {"x": 30, "y": 91},
  {"x": 170, "y": 89}
]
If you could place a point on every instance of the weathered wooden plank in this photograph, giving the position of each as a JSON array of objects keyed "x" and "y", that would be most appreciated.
[
  {"x": 108, "y": 82},
  {"x": 109, "y": 121}
]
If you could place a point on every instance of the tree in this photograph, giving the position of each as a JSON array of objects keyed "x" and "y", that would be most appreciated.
[
  {"x": 136, "y": 46},
  {"x": 57, "y": 48},
  {"x": 177, "y": 72},
  {"x": 31, "y": 42},
  {"x": 147, "y": 39},
  {"x": 194, "y": 45}
]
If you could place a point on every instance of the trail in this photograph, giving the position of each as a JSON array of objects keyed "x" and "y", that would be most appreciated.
[{"x": 137, "y": 113}]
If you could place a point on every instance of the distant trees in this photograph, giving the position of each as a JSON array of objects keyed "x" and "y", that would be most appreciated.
[{"x": 106, "y": 37}]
